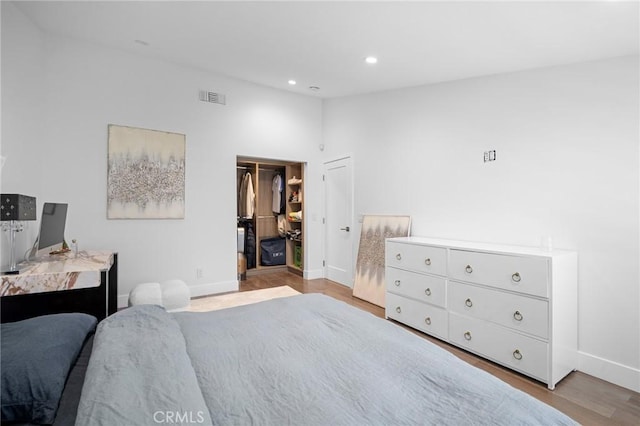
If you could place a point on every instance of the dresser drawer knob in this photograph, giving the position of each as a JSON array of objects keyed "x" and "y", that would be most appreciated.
[
  {"x": 398, "y": 310},
  {"x": 468, "y": 269},
  {"x": 517, "y": 316},
  {"x": 468, "y": 303},
  {"x": 399, "y": 256},
  {"x": 427, "y": 320},
  {"x": 427, "y": 261},
  {"x": 397, "y": 283},
  {"x": 428, "y": 292},
  {"x": 467, "y": 335},
  {"x": 516, "y": 277},
  {"x": 517, "y": 354}
]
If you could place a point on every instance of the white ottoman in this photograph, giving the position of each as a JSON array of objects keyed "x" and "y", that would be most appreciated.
[
  {"x": 146, "y": 294},
  {"x": 173, "y": 295}
]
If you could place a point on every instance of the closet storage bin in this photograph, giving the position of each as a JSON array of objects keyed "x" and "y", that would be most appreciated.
[
  {"x": 297, "y": 256},
  {"x": 241, "y": 238},
  {"x": 272, "y": 251}
]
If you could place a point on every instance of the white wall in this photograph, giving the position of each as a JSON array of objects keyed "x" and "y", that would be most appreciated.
[
  {"x": 567, "y": 167},
  {"x": 22, "y": 83},
  {"x": 85, "y": 87}
]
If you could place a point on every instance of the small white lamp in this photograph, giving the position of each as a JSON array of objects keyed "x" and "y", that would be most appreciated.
[{"x": 14, "y": 209}]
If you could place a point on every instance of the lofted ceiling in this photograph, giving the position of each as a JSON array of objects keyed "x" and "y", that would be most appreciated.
[{"x": 324, "y": 44}]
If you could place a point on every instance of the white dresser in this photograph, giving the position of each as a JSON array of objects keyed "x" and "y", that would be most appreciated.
[{"x": 516, "y": 306}]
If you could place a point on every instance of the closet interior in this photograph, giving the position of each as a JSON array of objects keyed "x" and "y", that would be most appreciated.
[{"x": 270, "y": 215}]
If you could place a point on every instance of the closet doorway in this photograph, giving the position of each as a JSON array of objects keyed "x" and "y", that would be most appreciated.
[{"x": 270, "y": 217}]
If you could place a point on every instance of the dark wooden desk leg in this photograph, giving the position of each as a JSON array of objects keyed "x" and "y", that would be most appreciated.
[
  {"x": 100, "y": 303},
  {"x": 112, "y": 292}
]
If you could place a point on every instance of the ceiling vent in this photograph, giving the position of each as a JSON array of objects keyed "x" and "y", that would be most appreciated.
[{"x": 214, "y": 98}]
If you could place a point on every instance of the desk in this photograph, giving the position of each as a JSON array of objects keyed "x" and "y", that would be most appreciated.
[{"x": 86, "y": 282}]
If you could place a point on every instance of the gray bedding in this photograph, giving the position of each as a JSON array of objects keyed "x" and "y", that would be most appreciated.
[{"x": 301, "y": 360}]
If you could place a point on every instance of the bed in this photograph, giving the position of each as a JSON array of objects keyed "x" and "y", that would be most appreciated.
[{"x": 301, "y": 360}]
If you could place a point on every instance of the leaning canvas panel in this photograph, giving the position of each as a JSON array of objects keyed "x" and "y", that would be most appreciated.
[
  {"x": 146, "y": 174},
  {"x": 369, "y": 282}
]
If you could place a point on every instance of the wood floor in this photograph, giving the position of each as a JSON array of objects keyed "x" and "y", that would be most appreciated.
[{"x": 586, "y": 399}]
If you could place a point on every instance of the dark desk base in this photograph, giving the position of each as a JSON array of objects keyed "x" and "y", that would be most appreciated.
[{"x": 99, "y": 301}]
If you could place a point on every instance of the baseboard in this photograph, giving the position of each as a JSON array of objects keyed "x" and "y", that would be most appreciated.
[
  {"x": 313, "y": 274},
  {"x": 196, "y": 291},
  {"x": 613, "y": 372},
  {"x": 123, "y": 301}
]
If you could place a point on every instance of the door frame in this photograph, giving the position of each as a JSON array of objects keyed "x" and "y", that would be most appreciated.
[
  {"x": 325, "y": 266},
  {"x": 276, "y": 162}
]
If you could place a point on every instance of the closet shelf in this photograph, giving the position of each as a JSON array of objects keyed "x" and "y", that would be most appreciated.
[{"x": 295, "y": 225}]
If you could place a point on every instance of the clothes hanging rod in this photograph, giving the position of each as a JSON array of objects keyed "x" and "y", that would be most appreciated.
[{"x": 275, "y": 169}]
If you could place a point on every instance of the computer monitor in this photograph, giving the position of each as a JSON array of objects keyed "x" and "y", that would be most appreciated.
[{"x": 52, "y": 224}]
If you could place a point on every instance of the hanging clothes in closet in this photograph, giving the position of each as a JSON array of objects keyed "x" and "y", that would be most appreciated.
[
  {"x": 277, "y": 188},
  {"x": 250, "y": 246},
  {"x": 247, "y": 204}
]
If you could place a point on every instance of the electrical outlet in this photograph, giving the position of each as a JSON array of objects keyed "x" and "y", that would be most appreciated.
[
  {"x": 198, "y": 272},
  {"x": 490, "y": 155}
]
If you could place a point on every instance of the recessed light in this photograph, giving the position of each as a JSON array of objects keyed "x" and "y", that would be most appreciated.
[
  {"x": 371, "y": 60},
  {"x": 292, "y": 82},
  {"x": 314, "y": 88}
]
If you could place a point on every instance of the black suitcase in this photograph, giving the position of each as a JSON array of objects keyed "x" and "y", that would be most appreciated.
[{"x": 272, "y": 251}]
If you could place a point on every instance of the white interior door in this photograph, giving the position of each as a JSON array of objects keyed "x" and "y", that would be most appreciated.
[{"x": 338, "y": 182}]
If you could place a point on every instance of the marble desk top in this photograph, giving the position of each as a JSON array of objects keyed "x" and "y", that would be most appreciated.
[{"x": 57, "y": 272}]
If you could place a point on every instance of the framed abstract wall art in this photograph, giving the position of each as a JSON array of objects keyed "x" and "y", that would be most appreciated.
[
  {"x": 146, "y": 174},
  {"x": 369, "y": 283}
]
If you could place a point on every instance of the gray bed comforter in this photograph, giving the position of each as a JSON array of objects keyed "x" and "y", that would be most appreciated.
[{"x": 301, "y": 360}]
